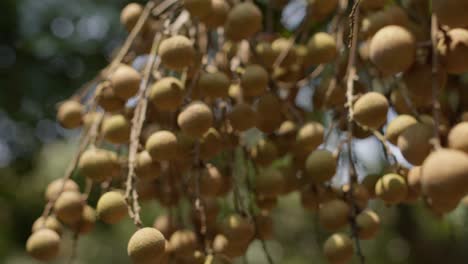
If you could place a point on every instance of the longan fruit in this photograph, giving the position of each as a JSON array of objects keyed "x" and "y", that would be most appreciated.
[
  {"x": 195, "y": 119},
  {"x": 99, "y": 164},
  {"x": 334, "y": 214},
  {"x": 443, "y": 206},
  {"x": 177, "y": 52},
  {"x": 370, "y": 110},
  {"x": 451, "y": 12},
  {"x": 116, "y": 129},
  {"x": 269, "y": 116},
  {"x": 279, "y": 46},
  {"x": 164, "y": 224},
  {"x": 214, "y": 85},
  {"x": 146, "y": 245},
  {"x": 242, "y": 117},
  {"x": 50, "y": 222},
  {"x": 369, "y": 183},
  {"x": 414, "y": 143},
  {"x": 111, "y": 207},
  {"x": 210, "y": 181},
  {"x": 338, "y": 248},
  {"x": 130, "y": 15},
  {"x": 368, "y": 224},
  {"x": 162, "y": 145},
  {"x": 458, "y": 137},
  {"x": 69, "y": 207},
  {"x": 397, "y": 126},
  {"x": 254, "y": 81},
  {"x": 183, "y": 242},
  {"x": 321, "y": 49},
  {"x": 54, "y": 188},
  {"x": 391, "y": 188},
  {"x": 393, "y": 49},
  {"x": 211, "y": 144},
  {"x": 320, "y": 166},
  {"x": 238, "y": 229},
  {"x": 309, "y": 137},
  {"x": 167, "y": 94},
  {"x": 414, "y": 184},
  {"x": 125, "y": 81},
  {"x": 217, "y": 15},
  {"x": 266, "y": 55},
  {"x": 70, "y": 114},
  {"x": 243, "y": 21},
  {"x": 43, "y": 245},
  {"x": 145, "y": 167},
  {"x": 453, "y": 55},
  {"x": 197, "y": 8},
  {"x": 107, "y": 99},
  {"x": 320, "y": 9},
  {"x": 372, "y": 4},
  {"x": 87, "y": 221},
  {"x": 231, "y": 249},
  {"x": 264, "y": 152},
  {"x": 393, "y": 15},
  {"x": 269, "y": 182},
  {"x": 418, "y": 80},
  {"x": 359, "y": 193}
]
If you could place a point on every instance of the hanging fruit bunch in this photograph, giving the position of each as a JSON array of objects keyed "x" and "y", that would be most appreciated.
[{"x": 214, "y": 114}]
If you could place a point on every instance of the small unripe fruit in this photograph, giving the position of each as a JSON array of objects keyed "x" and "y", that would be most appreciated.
[
  {"x": 269, "y": 182},
  {"x": 147, "y": 245},
  {"x": 397, "y": 126},
  {"x": 116, "y": 129},
  {"x": 322, "y": 49},
  {"x": 451, "y": 12},
  {"x": 125, "y": 81},
  {"x": 167, "y": 94},
  {"x": 99, "y": 164},
  {"x": 320, "y": 166},
  {"x": 70, "y": 114},
  {"x": 254, "y": 81},
  {"x": 69, "y": 207},
  {"x": 334, "y": 214},
  {"x": 264, "y": 153},
  {"x": 55, "y": 188},
  {"x": 111, "y": 207},
  {"x": 50, "y": 222},
  {"x": 162, "y": 145},
  {"x": 338, "y": 248},
  {"x": 177, "y": 52},
  {"x": 197, "y": 8},
  {"x": 130, "y": 15},
  {"x": 391, "y": 188},
  {"x": 393, "y": 50},
  {"x": 43, "y": 245},
  {"x": 146, "y": 168},
  {"x": 458, "y": 137},
  {"x": 242, "y": 117},
  {"x": 309, "y": 137},
  {"x": 368, "y": 223},
  {"x": 243, "y": 21},
  {"x": 414, "y": 143},
  {"x": 164, "y": 225},
  {"x": 214, "y": 85},
  {"x": 370, "y": 110},
  {"x": 195, "y": 119}
]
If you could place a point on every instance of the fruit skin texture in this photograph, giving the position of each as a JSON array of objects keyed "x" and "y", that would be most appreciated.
[
  {"x": 125, "y": 81},
  {"x": 334, "y": 214},
  {"x": 322, "y": 49},
  {"x": 195, "y": 119},
  {"x": 243, "y": 21},
  {"x": 338, "y": 248},
  {"x": 254, "y": 81},
  {"x": 264, "y": 153},
  {"x": 162, "y": 145},
  {"x": 214, "y": 84},
  {"x": 116, "y": 129},
  {"x": 111, "y": 207},
  {"x": 43, "y": 245},
  {"x": 146, "y": 246},
  {"x": 51, "y": 223},
  {"x": 269, "y": 117},
  {"x": 451, "y": 12},
  {"x": 242, "y": 117},
  {"x": 69, "y": 114},
  {"x": 197, "y": 8},
  {"x": 392, "y": 50},
  {"x": 371, "y": 109},
  {"x": 414, "y": 184},
  {"x": 86, "y": 222},
  {"x": 397, "y": 126},
  {"x": 218, "y": 14},
  {"x": 368, "y": 223},
  {"x": 130, "y": 15},
  {"x": 458, "y": 137},
  {"x": 167, "y": 94},
  {"x": 99, "y": 164},
  {"x": 238, "y": 229},
  {"x": 309, "y": 137},
  {"x": 54, "y": 188},
  {"x": 320, "y": 166},
  {"x": 146, "y": 168},
  {"x": 454, "y": 56},
  {"x": 414, "y": 143},
  {"x": 177, "y": 52},
  {"x": 269, "y": 182},
  {"x": 391, "y": 188},
  {"x": 68, "y": 207},
  {"x": 444, "y": 175}
]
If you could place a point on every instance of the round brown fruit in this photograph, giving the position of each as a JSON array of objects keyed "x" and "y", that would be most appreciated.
[
  {"x": 177, "y": 52},
  {"x": 453, "y": 56},
  {"x": 198, "y": 8},
  {"x": 146, "y": 168},
  {"x": 69, "y": 207},
  {"x": 214, "y": 85},
  {"x": 50, "y": 222},
  {"x": 183, "y": 242},
  {"x": 57, "y": 186},
  {"x": 368, "y": 223},
  {"x": 321, "y": 49},
  {"x": 167, "y": 94},
  {"x": 370, "y": 110},
  {"x": 264, "y": 153},
  {"x": 116, "y": 129},
  {"x": 130, "y": 15},
  {"x": 391, "y": 188},
  {"x": 269, "y": 182},
  {"x": 243, "y": 21},
  {"x": 269, "y": 116},
  {"x": 309, "y": 137},
  {"x": 125, "y": 81},
  {"x": 320, "y": 166},
  {"x": 458, "y": 137},
  {"x": 338, "y": 248},
  {"x": 242, "y": 117},
  {"x": 146, "y": 245},
  {"x": 217, "y": 15},
  {"x": 99, "y": 164},
  {"x": 334, "y": 214},
  {"x": 254, "y": 81},
  {"x": 414, "y": 143},
  {"x": 111, "y": 207},
  {"x": 162, "y": 145},
  {"x": 195, "y": 119},
  {"x": 70, "y": 114},
  {"x": 43, "y": 245},
  {"x": 397, "y": 126},
  {"x": 451, "y": 12}
]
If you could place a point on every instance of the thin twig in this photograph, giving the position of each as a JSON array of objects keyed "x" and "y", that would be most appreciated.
[{"x": 435, "y": 89}]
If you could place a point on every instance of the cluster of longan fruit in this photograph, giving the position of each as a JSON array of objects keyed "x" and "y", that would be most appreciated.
[{"x": 222, "y": 121}]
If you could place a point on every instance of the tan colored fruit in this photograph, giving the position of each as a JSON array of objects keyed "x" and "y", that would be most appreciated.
[
  {"x": 264, "y": 153},
  {"x": 338, "y": 248},
  {"x": 107, "y": 99},
  {"x": 320, "y": 166},
  {"x": 116, "y": 129},
  {"x": 368, "y": 224},
  {"x": 321, "y": 9},
  {"x": 242, "y": 117},
  {"x": 444, "y": 175},
  {"x": 70, "y": 114},
  {"x": 269, "y": 182},
  {"x": 334, "y": 214},
  {"x": 211, "y": 208},
  {"x": 86, "y": 222},
  {"x": 267, "y": 56},
  {"x": 393, "y": 15},
  {"x": 211, "y": 144},
  {"x": 55, "y": 188},
  {"x": 99, "y": 164},
  {"x": 264, "y": 224},
  {"x": 370, "y": 110},
  {"x": 51, "y": 223},
  {"x": 389, "y": 42},
  {"x": 414, "y": 143},
  {"x": 69, "y": 207},
  {"x": 146, "y": 245},
  {"x": 443, "y": 206},
  {"x": 372, "y": 4},
  {"x": 238, "y": 229},
  {"x": 451, "y": 12},
  {"x": 309, "y": 137},
  {"x": 269, "y": 116},
  {"x": 328, "y": 94},
  {"x": 281, "y": 45},
  {"x": 146, "y": 168},
  {"x": 214, "y": 85},
  {"x": 217, "y": 15},
  {"x": 43, "y": 245},
  {"x": 418, "y": 81},
  {"x": 210, "y": 182},
  {"x": 414, "y": 184},
  {"x": 167, "y": 94},
  {"x": 360, "y": 194},
  {"x": 391, "y": 188},
  {"x": 183, "y": 242},
  {"x": 162, "y": 145},
  {"x": 125, "y": 81},
  {"x": 399, "y": 102},
  {"x": 195, "y": 119},
  {"x": 458, "y": 137},
  {"x": 164, "y": 224},
  {"x": 130, "y": 15},
  {"x": 369, "y": 183},
  {"x": 177, "y": 52},
  {"x": 231, "y": 249},
  {"x": 243, "y": 21},
  {"x": 254, "y": 81},
  {"x": 322, "y": 49},
  {"x": 111, "y": 207},
  {"x": 198, "y": 8},
  {"x": 444, "y": 124},
  {"x": 397, "y": 126}
]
